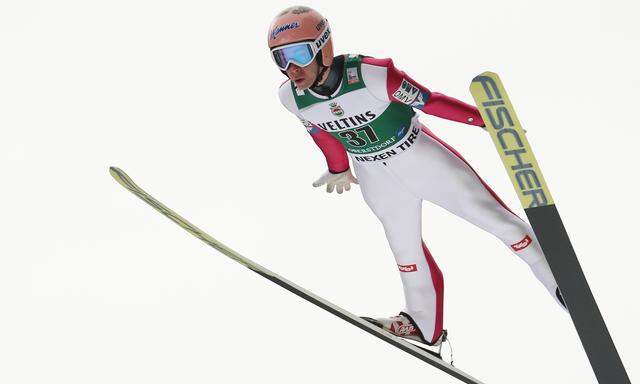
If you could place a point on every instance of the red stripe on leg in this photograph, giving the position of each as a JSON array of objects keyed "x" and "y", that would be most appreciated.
[{"x": 438, "y": 286}]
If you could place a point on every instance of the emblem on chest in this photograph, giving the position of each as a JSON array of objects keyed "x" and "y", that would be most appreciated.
[{"x": 336, "y": 109}]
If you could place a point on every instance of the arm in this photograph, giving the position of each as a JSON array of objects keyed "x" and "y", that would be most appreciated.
[
  {"x": 339, "y": 175},
  {"x": 333, "y": 150},
  {"x": 401, "y": 88}
]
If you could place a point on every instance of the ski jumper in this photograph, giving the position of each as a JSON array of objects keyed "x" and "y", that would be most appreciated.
[{"x": 399, "y": 163}]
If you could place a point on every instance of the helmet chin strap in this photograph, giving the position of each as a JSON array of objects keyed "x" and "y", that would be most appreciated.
[{"x": 321, "y": 76}]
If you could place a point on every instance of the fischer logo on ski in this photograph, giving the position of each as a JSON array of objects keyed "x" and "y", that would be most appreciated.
[
  {"x": 512, "y": 145},
  {"x": 521, "y": 165}
]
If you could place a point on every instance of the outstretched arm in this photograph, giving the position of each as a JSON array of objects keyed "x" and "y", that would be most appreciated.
[
  {"x": 401, "y": 88},
  {"x": 339, "y": 175},
  {"x": 333, "y": 150}
]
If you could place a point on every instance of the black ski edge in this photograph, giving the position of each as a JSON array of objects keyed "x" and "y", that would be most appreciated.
[
  {"x": 122, "y": 178},
  {"x": 578, "y": 297}
]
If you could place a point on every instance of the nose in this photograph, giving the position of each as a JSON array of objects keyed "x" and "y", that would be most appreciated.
[{"x": 293, "y": 68}]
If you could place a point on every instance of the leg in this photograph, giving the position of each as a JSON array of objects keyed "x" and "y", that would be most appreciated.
[
  {"x": 400, "y": 213},
  {"x": 439, "y": 174}
]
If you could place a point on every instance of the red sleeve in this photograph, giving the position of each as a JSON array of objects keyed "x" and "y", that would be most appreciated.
[
  {"x": 403, "y": 89},
  {"x": 332, "y": 148},
  {"x": 449, "y": 108}
]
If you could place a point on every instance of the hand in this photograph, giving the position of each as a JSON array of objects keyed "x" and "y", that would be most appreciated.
[{"x": 339, "y": 181}]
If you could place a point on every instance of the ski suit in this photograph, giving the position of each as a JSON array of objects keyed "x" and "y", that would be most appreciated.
[{"x": 399, "y": 163}]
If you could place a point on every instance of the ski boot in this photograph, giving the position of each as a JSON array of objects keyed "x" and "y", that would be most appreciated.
[{"x": 405, "y": 327}]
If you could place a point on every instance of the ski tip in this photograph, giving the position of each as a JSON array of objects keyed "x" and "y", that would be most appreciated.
[
  {"x": 120, "y": 176},
  {"x": 115, "y": 171},
  {"x": 485, "y": 74},
  {"x": 123, "y": 179}
]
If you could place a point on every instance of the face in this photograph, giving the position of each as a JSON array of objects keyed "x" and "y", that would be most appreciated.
[{"x": 303, "y": 77}]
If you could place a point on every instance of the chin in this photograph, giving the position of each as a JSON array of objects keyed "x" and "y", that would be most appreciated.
[{"x": 303, "y": 86}]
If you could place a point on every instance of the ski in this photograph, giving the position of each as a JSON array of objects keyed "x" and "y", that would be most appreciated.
[
  {"x": 122, "y": 178},
  {"x": 522, "y": 167}
]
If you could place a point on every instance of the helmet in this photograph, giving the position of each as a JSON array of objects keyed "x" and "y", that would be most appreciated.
[{"x": 299, "y": 23}]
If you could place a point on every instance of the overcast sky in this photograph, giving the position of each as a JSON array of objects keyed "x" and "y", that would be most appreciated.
[{"x": 96, "y": 287}]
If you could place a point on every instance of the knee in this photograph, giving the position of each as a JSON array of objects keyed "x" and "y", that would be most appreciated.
[{"x": 514, "y": 231}]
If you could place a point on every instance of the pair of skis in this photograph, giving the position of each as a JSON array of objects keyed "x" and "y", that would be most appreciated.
[{"x": 509, "y": 138}]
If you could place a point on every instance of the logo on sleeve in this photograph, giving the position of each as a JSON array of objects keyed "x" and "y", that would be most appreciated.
[
  {"x": 522, "y": 244},
  {"x": 408, "y": 268},
  {"x": 352, "y": 75},
  {"x": 310, "y": 127},
  {"x": 411, "y": 95}
]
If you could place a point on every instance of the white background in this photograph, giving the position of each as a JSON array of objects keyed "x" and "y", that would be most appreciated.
[{"x": 97, "y": 287}]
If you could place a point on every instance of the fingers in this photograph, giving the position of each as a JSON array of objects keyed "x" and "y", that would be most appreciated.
[
  {"x": 340, "y": 187},
  {"x": 330, "y": 187},
  {"x": 338, "y": 182},
  {"x": 320, "y": 181}
]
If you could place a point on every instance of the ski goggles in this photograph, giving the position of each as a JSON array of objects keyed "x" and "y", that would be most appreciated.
[{"x": 300, "y": 54}]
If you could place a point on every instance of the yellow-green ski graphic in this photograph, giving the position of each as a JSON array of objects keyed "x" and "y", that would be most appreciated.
[
  {"x": 508, "y": 136},
  {"x": 510, "y": 140},
  {"x": 124, "y": 180}
]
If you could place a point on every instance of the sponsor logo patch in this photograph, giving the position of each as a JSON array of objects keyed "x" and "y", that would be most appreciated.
[
  {"x": 321, "y": 41},
  {"x": 285, "y": 27},
  {"x": 411, "y": 95},
  {"x": 347, "y": 122},
  {"x": 406, "y": 329},
  {"x": 408, "y": 268},
  {"x": 300, "y": 10},
  {"x": 403, "y": 329},
  {"x": 321, "y": 25},
  {"x": 352, "y": 75},
  {"x": 522, "y": 244},
  {"x": 336, "y": 109},
  {"x": 310, "y": 127},
  {"x": 391, "y": 147}
]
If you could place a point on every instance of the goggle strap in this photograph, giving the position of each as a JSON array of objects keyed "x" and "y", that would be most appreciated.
[{"x": 321, "y": 41}]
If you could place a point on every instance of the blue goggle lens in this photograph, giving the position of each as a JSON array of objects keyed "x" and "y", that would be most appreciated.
[{"x": 300, "y": 54}]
